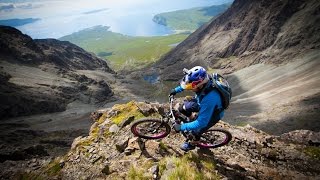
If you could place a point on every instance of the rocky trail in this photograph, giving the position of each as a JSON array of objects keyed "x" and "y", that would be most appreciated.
[{"x": 111, "y": 152}]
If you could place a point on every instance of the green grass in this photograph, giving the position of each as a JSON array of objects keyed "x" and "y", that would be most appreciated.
[
  {"x": 136, "y": 173},
  {"x": 129, "y": 53},
  {"x": 29, "y": 176},
  {"x": 313, "y": 152},
  {"x": 54, "y": 168},
  {"x": 124, "y": 52},
  {"x": 190, "y": 166},
  {"x": 190, "y": 19}
]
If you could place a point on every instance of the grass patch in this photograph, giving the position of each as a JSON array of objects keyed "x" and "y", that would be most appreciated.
[
  {"x": 83, "y": 143},
  {"x": 163, "y": 146},
  {"x": 53, "y": 168},
  {"x": 190, "y": 166},
  {"x": 242, "y": 124},
  {"x": 121, "y": 51},
  {"x": 126, "y": 111},
  {"x": 30, "y": 176},
  {"x": 137, "y": 174},
  {"x": 313, "y": 152},
  {"x": 190, "y": 19}
]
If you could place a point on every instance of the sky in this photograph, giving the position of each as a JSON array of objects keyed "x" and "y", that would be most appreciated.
[{"x": 63, "y": 17}]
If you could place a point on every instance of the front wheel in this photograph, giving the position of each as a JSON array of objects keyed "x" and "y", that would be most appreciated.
[
  {"x": 150, "y": 128},
  {"x": 214, "y": 138}
]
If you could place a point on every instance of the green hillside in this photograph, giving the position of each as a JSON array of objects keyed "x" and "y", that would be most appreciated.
[
  {"x": 190, "y": 19},
  {"x": 124, "y": 52}
]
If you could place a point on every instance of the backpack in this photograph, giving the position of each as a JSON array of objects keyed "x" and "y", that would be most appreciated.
[{"x": 222, "y": 85}]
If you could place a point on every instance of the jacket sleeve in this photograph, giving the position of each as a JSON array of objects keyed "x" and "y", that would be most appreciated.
[
  {"x": 207, "y": 107},
  {"x": 178, "y": 89}
]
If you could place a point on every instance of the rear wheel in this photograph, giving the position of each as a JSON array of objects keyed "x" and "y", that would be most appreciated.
[
  {"x": 213, "y": 138},
  {"x": 150, "y": 128}
]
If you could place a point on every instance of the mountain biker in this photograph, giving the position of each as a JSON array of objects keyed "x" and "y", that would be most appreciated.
[{"x": 207, "y": 102}]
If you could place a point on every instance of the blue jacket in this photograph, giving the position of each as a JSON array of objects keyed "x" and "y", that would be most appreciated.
[{"x": 208, "y": 101}]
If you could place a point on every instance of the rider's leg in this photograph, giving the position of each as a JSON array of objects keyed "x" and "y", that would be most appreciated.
[
  {"x": 197, "y": 134},
  {"x": 188, "y": 108},
  {"x": 187, "y": 146}
]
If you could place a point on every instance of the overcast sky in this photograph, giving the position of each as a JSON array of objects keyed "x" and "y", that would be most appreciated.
[
  {"x": 63, "y": 17},
  {"x": 44, "y": 8}
]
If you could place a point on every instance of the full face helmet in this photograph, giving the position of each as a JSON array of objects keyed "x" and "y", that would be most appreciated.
[{"x": 194, "y": 78}]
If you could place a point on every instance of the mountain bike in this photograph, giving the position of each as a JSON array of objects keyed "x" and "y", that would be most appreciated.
[{"x": 154, "y": 128}]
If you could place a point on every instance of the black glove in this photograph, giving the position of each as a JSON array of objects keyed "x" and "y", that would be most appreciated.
[
  {"x": 172, "y": 92},
  {"x": 177, "y": 127}
]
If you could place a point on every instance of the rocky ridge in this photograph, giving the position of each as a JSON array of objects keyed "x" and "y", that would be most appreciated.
[
  {"x": 111, "y": 152},
  {"x": 47, "y": 90},
  {"x": 41, "y": 76},
  {"x": 249, "y": 32}
]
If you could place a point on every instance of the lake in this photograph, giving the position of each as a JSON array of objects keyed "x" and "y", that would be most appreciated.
[{"x": 57, "y": 18}]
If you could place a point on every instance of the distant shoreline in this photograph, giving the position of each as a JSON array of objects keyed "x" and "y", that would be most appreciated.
[{"x": 18, "y": 22}]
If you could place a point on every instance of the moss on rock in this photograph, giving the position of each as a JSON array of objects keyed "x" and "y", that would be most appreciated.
[
  {"x": 313, "y": 152},
  {"x": 125, "y": 111}
]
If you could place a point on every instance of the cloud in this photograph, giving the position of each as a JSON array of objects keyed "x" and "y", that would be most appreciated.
[
  {"x": 11, "y": 7},
  {"x": 7, "y": 8}
]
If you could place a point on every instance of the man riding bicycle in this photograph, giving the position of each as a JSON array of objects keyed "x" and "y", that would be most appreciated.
[{"x": 207, "y": 102}]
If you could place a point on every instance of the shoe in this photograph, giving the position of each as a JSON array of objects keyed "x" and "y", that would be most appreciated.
[{"x": 187, "y": 147}]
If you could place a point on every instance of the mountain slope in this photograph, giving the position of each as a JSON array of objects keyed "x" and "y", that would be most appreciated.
[
  {"x": 40, "y": 76},
  {"x": 254, "y": 32},
  {"x": 269, "y": 50}
]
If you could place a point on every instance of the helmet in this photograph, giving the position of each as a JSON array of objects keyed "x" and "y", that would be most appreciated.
[{"x": 194, "y": 77}]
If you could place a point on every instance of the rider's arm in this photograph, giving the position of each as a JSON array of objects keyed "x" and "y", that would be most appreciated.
[
  {"x": 207, "y": 108},
  {"x": 178, "y": 89}
]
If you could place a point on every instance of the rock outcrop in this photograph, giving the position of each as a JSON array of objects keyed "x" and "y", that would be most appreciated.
[
  {"x": 114, "y": 153},
  {"x": 42, "y": 76}
]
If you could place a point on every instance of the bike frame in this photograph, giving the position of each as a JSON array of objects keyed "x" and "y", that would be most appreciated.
[
  {"x": 173, "y": 119},
  {"x": 167, "y": 121},
  {"x": 171, "y": 98}
]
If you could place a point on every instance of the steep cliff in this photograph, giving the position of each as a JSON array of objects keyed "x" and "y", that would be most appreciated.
[
  {"x": 40, "y": 76},
  {"x": 249, "y": 32},
  {"x": 269, "y": 52}
]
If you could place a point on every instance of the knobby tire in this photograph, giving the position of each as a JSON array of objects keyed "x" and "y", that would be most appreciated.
[
  {"x": 150, "y": 128},
  {"x": 205, "y": 143}
]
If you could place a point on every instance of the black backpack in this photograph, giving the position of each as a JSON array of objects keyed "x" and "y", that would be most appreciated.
[{"x": 222, "y": 85}]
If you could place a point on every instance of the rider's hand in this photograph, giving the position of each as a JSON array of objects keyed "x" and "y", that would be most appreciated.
[
  {"x": 188, "y": 98},
  {"x": 172, "y": 92},
  {"x": 177, "y": 127}
]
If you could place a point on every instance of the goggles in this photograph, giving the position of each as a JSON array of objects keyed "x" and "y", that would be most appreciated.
[{"x": 192, "y": 85}]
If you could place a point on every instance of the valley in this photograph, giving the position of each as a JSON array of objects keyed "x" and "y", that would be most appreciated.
[{"x": 124, "y": 52}]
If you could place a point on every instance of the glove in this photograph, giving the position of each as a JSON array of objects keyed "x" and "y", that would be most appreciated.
[
  {"x": 172, "y": 92},
  {"x": 189, "y": 98},
  {"x": 177, "y": 127}
]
